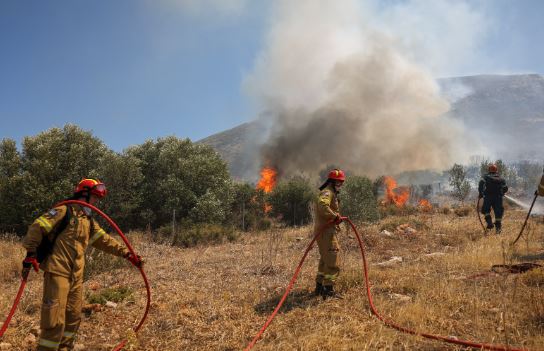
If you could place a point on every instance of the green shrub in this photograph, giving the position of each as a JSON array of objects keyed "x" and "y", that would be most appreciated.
[
  {"x": 290, "y": 200},
  {"x": 357, "y": 199}
]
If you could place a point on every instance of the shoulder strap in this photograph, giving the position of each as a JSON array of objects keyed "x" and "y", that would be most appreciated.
[{"x": 63, "y": 223}]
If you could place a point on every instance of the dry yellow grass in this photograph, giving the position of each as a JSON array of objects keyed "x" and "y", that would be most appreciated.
[{"x": 218, "y": 297}]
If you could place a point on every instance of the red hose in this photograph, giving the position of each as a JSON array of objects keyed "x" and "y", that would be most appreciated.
[
  {"x": 387, "y": 322},
  {"x": 15, "y": 303},
  {"x": 289, "y": 287},
  {"x": 392, "y": 324},
  {"x": 125, "y": 240}
]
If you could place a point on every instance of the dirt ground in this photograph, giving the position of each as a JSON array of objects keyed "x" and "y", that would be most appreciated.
[{"x": 218, "y": 297}]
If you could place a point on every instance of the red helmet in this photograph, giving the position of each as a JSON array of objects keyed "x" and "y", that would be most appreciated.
[
  {"x": 337, "y": 174},
  {"x": 94, "y": 186},
  {"x": 492, "y": 168}
]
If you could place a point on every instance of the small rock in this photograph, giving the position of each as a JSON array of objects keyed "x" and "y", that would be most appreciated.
[
  {"x": 410, "y": 230},
  {"x": 79, "y": 347},
  {"x": 299, "y": 238},
  {"x": 400, "y": 297},
  {"x": 386, "y": 233},
  {"x": 111, "y": 304},
  {"x": 4, "y": 346},
  {"x": 394, "y": 260},
  {"x": 406, "y": 229}
]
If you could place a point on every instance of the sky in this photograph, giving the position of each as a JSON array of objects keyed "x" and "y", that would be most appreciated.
[{"x": 132, "y": 70}]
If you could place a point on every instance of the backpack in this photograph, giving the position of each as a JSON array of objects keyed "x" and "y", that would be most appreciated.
[{"x": 46, "y": 246}]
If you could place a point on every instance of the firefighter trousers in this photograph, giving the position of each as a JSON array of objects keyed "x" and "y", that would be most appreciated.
[
  {"x": 328, "y": 269},
  {"x": 61, "y": 312},
  {"x": 495, "y": 203}
]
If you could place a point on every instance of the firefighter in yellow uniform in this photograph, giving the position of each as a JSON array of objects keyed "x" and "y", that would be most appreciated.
[
  {"x": 67, "y": 231},
  {"x": 327, "y": 220}
]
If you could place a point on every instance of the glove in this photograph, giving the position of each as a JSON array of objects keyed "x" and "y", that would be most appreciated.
[
  {"x": 338, "y": 219},
  {"x": 136, "y": 260},
  {"x": 30, "y": 262}
]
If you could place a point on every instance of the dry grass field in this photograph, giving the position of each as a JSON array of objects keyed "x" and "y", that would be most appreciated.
[{"x": 218, "y": 297}]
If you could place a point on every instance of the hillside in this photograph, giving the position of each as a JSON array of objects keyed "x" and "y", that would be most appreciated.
[
  {"x": 506, "y": 112},
  {"x": 218, "y": 297}
]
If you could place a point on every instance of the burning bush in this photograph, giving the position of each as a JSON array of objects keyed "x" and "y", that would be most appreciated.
[{"x": 395, "y": 194}]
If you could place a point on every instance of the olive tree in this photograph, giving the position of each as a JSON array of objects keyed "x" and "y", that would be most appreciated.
[
  {"x": 358, "y": 199},
  {"x": 290, "y": 200},
  {"x": 458, "y": 180}
]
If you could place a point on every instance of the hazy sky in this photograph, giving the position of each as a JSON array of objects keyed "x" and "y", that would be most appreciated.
[{"x": 130, "y": 70}]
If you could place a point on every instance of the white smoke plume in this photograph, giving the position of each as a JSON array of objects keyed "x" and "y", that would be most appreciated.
[{"x": 335, "y": 87}]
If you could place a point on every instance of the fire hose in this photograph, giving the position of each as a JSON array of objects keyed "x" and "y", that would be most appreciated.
[
  {"x": 525, "y": 222},
  {"x": 478, "y": 213},
  {"x": 131, "y": 250},
  {"x": 15, "y": 303},
  {"x": 386, "y": 321}
]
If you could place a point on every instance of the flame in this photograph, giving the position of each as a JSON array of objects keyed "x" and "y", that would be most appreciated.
[
  {"x": 425, "y": 205},
  {"x": 394, "y": 194},
  {"x": 268, "y": 179}
]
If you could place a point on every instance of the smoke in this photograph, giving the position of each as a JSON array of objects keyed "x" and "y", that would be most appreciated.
[{"x": 336, "y": 88}]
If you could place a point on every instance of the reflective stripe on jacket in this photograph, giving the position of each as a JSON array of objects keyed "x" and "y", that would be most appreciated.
[{"x": 68, "y": 255}]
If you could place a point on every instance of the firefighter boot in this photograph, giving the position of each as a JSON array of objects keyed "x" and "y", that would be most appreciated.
[
  {"x": 318, "y": 289},
  {"x": 328, "y": 292},
  {"x": 488, "y": 221},
  {"x": 498, "y": 226}
]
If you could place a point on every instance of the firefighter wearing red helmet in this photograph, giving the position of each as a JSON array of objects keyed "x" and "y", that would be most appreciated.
[
  {"x": 492, "y": 188},
  {"x": 56, "y": 241},
  {"x": 327, "y": 220}
]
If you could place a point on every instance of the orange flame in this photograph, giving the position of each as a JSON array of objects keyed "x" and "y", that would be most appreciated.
[
  {"x": 425, "y": 205},
  {"x": 268, "y": 179},
  {"x": 395, "y": 195}
]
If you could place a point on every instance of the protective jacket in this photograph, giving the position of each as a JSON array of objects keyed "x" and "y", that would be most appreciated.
[
  {"x": 67, "y": 258},
  {"x": 327, "y": 207},
  {"x": 326, "y": 210},
  {"x": 492, "y": 185},
  {"x": 541, "y": 186}
]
